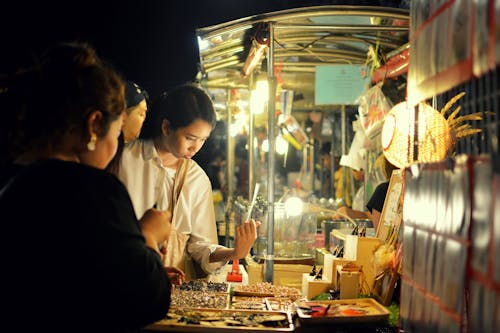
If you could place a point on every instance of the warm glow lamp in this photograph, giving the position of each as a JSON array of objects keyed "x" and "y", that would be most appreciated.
[
  {"x": 294, "y": 206},
  {"x": 259, "y": 96}
]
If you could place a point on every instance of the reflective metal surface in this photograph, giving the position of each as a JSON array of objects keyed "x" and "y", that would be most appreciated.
[{"x": 303, "y": 39}]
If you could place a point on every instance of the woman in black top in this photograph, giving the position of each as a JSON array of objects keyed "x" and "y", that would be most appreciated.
[
  {"x": 376, "y": 202},
  {"x": 74, "y": 256}
]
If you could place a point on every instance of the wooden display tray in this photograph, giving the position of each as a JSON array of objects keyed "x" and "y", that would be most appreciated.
[
  {"x": 358, "y": 310},
  {"x": 251, "y": 294},
  {"x": 206, "y": 299},
  {"x": 249, "y": 303},
  {"x": 294, "y": 293},
  {"x": 171, "y": 325},
  {"x": 280, "y": 304}
]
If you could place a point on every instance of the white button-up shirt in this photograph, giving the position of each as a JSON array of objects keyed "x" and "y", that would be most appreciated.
[{"x": 150, "y": 183}]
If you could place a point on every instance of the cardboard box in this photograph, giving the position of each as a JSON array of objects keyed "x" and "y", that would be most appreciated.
[
  {"x": 360, "y": 250},
  {"x": 330, "y": 267},
  {"x": 347, "y": 283},
  {"x": 312, "y": 288}
]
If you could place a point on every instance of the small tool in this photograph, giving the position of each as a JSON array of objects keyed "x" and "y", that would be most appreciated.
[{"x": 235, "y": 275}]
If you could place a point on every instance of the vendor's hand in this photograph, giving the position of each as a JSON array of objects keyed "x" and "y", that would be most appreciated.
[
  {"x": 341, "y": 212},
  {"x": 344, "y": 211},
  {"x": 175, "y": 275},
  {"x": 155, "y": 225},
  {"x": 245, "y": 236}
]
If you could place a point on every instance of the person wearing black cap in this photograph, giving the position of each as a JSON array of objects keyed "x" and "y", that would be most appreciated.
[
  {"x": 135, "y": 114},
  {"x": 133, "y": 119}
]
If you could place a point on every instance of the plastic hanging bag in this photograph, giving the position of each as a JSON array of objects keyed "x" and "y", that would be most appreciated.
[{"x": 373, "y": 106}]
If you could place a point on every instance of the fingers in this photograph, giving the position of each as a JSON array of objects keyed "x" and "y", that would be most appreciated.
[
  {"x": 163, "y": 248},
  {"x": 251, "y": 224},
  {"x": 175, "y": 275},
  {"x": 171, "y": 269},
  {"x": 155, "y": 225},
  {"x": 246, "y": 234}
]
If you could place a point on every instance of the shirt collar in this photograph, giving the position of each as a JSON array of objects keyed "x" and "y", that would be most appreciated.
[{"x": 148, "y": 150}]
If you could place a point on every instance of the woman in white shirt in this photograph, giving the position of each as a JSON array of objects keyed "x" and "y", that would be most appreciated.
[{"x": 158, "y": 170}]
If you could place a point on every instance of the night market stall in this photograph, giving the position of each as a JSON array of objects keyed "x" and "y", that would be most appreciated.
[{"x": 356, "y": 85}]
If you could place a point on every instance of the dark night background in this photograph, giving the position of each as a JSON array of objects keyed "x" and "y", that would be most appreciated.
[{"x": 152, "y": 42}]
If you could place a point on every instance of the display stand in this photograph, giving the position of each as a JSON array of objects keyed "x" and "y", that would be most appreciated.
[
  {"x": 388, "y": 231},
  {"x": 391, "y": 215}
]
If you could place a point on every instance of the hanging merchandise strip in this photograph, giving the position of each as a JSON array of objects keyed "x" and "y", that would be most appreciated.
[
  {"x": 436, "y": 246},
  {"x": 455, "y": 244},
  {"x": 483, "y": 271}
]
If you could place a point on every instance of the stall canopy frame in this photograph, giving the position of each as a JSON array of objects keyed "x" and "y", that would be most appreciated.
[{"x": 298, "y": 41}]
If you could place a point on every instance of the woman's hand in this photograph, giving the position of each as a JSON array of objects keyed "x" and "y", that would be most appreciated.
[
  {"x": 155, "y": 226},
  {"x": 246, "y": 234},
  {"x": 175, "y": 275}
]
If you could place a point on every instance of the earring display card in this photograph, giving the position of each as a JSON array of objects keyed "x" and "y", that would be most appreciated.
[
  {"x": 454, "y": 275},
  {"x": 420, "y": 257},
  {"x": 432, "y": 262},
  {"x": 483, "y": 305},
  {"x": 439, "y": 265},
  {"x": 484, "y": 287},
  {"x": 481, "y": 214},
  {"x": 409, "y": 244},
  {"x": 458, "y": 209}
]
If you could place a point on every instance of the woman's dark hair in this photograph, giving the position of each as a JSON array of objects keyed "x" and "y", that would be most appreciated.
[
  {"x": 55, "y": 97},
  {"x": 181, "y": 106},
  {"x": 114, "y": 165}
]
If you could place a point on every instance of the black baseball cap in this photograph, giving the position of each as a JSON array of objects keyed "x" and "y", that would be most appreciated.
[{"x": 134, "y": 94}]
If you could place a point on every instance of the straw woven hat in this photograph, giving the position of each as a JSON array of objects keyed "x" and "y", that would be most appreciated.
[{"x": 432, "y": 142}]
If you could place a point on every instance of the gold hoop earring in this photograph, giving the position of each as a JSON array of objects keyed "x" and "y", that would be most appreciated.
[{"x": 91, "y": 143}]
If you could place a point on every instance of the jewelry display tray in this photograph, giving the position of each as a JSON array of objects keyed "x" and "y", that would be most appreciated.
[
  {"x": 343, "y": 311},
  {"x": 170, "y": 325}
]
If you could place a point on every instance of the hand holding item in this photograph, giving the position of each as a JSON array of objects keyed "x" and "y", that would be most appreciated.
[
  {"x": 346, "y": 213},
  {"x": 175, "y": 275},
  {"x": 155, "y": 225},
  {"x": 341, "y": 212},
  {"x": 246, "y": 234}
]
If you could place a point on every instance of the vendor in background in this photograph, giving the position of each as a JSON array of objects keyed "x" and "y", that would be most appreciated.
[
  {"x": 357, "y": 210},
  {"x": 73, "y": 245},
  {"x": 376, "y": 202},
  {"x": 241, "y": 167},
  {"x": 135, "y": 114},
  {"x": 133, "y": 119},
  {"x": 381, "y": 171},
  {"x": 216, "y": 173},
  {"x": 326, "y": 170},
  {"x": 158, "y": 170},
  {"x": 354, "y": 165}
]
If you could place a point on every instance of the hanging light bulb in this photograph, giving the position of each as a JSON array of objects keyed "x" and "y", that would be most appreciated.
[
  {"x": 294, "y": 206},
  {"x": 259, "y": 96},
  {"x": 281, "y": 145}
]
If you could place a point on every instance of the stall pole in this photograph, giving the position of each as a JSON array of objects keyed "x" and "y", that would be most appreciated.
[
  {"x": 344, "y": 150},
  {"x": 332, "y": 166},
  {"x": 251, "y": 147},
  {"x": 271, "y": 105},
  {"x": 229, "y": 173}
]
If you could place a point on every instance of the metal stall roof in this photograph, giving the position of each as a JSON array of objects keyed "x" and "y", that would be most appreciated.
[{"x": 303, "y": 39}]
